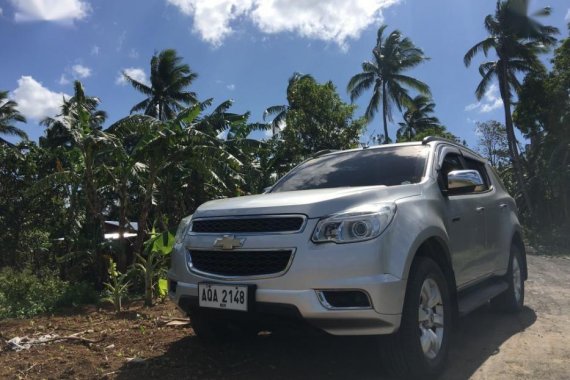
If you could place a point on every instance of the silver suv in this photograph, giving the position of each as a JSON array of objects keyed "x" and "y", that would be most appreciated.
[{"x": 395, "y": 240}]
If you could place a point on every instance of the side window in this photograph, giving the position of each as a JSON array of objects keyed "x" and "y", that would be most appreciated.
[
  {"x": 452, "y": 161},
  {"x": 480, "y": 167}
]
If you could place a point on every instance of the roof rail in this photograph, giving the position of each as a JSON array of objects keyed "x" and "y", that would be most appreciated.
[
  {"x": 322, "y": 152},
  {"x": 429, "y": 139}
]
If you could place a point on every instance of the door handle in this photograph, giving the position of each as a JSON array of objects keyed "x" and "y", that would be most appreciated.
[
  {"x": 480, "y": 209},
  {"x": 503, "y": 206}
]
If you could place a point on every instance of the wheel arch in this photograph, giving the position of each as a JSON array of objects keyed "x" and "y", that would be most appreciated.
[
  {"x": 435, "y": 248},
  {"x": 517, "y": 241}
]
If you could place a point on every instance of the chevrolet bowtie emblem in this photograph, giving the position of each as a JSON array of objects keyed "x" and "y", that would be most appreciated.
[{"x": 228, "y": 242}]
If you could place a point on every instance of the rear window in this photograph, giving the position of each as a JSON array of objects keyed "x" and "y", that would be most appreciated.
[{"x": 369, "y": 167}]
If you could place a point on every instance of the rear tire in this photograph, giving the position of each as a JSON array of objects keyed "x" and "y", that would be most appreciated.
[
  {"x": 512, "y": 299},
  {"x": 419, "y": 349}
]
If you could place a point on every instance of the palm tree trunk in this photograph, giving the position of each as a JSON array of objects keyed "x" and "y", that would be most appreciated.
[
  {"x": 95, "y": 218},
  {"x": 384, "y": 111},
  {"x": 94, "y": 205},
  {"x": 145, "y": 210},
  {"x": 511, "y": 138},
  {"x": 565, "y": 194},
  {"x": 123, "y": 196}
]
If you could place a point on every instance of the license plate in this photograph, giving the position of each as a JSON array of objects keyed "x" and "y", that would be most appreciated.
[{"x": 229, "y": 297}]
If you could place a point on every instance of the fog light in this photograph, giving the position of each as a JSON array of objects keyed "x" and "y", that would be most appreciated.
[{"x": 343, "y": 299}]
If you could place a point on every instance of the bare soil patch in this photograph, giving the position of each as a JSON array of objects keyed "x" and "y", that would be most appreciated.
[{"x": 138, "y": 345}]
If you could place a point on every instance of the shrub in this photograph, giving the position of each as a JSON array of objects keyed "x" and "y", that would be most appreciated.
[
  {"x": 81, "y": 293},
  {"x": 24, "y": 294}
]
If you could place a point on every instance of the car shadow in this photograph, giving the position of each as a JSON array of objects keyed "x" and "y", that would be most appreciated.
[{"x": 293, "y": 354}]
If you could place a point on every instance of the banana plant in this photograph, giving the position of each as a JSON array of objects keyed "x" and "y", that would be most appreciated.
[
  {"x": 152, "y": 263},
  {"x": 117, "y": 287}
]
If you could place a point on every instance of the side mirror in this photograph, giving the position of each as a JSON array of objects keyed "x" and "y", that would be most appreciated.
[{"x": 463, "y": 181}]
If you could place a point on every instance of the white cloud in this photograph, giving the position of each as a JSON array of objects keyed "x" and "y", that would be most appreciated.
[
  {"x": 35, "y": 101},
  {"x": 64, "y": 11},
  {"x": 136, "y": 73},
  {"x": 80, "y": 71},
  {"x": 567, "y": 18},
  {"x": 231, "y": 86},
  {"x": 95, "y": 50},
  {"x": 472, "y": 106},
  {"x": 331, "y": 20},
  {"x": 63, "y": 80},
  {"x": 491, "y": 101},
  {"x": 133, "y": 53}
]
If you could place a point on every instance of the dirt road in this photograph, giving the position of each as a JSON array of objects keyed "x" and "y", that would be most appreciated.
[
  {"x": 531, "y": 345},
  {"x": 534, "y": 344}
]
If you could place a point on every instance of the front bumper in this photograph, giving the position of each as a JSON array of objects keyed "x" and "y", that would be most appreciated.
[{"x": 315, "y": 267}]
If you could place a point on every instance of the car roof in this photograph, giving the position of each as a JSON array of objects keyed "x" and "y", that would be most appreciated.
[
  {"x": 431, "y": 141},
  {"x": 331, "y": 152}
]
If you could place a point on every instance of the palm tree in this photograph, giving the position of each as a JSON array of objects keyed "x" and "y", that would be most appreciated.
[
  {"x": 58, "y": 130},
  {"x": 384, "y": 74},
  {"x": 280, "y": 111},
  {"x": 516, "y": 39},
  {"x": 8, "y": 115},
  {"x": 81, "y": 123},
  {"x": 171, "y": 152},
  {"x": 166, "y": 95},
  {"x": 123, "y": 170},
  {"x": 417, "y": 118}
]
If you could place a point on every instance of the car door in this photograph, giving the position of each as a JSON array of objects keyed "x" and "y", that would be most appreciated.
[
  {"x": 499, "y": 223},
  {"x": 464, "y": 220},
  {"x": 488, "y": 207}
]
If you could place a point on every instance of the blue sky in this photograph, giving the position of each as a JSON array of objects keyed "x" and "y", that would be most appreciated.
[{"x": 243, "y": 50}]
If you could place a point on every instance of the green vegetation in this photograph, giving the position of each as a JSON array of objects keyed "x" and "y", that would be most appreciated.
[
  {"x": 316, "y": 119},
  {"x": 116, "y": 290},
  {"x": 152, "y": 263},
  {"x": 24, "y": 294},
  {"x": 8, "y": 116},
  {"x": 417, "y": 119},
  {"x": 384, "y": 74},
  {"x": 517, "y": 39},
  {"x": 176, "y": 151}
]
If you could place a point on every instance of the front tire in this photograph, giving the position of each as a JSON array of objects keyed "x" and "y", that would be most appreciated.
[
  {"x": 420, "y": 348},
  {"x": 512, "y": 299}
]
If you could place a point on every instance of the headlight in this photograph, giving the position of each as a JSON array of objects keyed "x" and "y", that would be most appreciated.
[
  {"x": 361, "y": 223},
  {"x": 183, "y": 228}
]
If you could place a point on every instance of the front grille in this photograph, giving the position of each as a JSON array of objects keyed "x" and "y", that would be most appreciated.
[
  {"x": 249, "y": 225},
  {"x": 240, "y": 263}
]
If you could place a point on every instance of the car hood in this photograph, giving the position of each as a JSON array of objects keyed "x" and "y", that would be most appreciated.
[{"x": 313, "y": 203}]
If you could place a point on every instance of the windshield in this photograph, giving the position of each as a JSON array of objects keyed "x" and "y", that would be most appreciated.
[{"x": 369, "y": 167}]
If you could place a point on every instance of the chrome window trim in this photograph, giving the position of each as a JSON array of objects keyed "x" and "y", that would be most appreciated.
[
  {"x": 233, "y": 278},
  {"x": 260, "y": 216}
]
